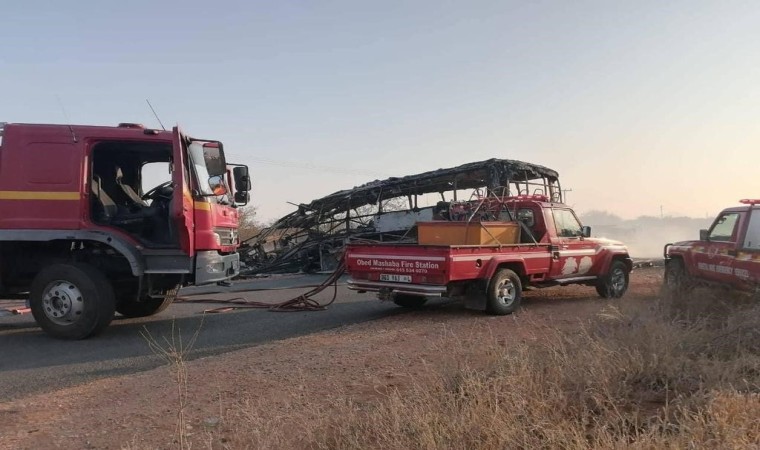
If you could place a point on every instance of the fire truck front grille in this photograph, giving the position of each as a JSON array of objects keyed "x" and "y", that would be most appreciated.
[{"x": 227, "y": 236}]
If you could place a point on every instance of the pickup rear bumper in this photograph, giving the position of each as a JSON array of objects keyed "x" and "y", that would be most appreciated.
[{"x": 397, "y": 288}]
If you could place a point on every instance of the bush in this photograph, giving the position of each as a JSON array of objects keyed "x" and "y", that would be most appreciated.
[{"x": 660, "y": 378}]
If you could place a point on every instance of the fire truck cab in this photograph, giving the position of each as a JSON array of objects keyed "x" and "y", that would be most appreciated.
[{"x": 96, "y": 220}]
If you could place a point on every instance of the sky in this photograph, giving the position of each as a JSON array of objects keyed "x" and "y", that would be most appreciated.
[{"x": 639, "y": 105}]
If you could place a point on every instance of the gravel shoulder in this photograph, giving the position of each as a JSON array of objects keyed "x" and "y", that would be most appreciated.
[{"x": 357, "y": 362}]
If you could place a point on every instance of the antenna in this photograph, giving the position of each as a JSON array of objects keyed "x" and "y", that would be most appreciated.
[
  {"x": 66, "y": 117},
  {"x": 154, "y": 113}
]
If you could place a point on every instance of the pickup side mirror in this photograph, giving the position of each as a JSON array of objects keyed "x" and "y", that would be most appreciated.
[
  {"x": 242, "y": 179},
  {"x": 586, "y": 231},
  {"x": 703, "y": 236}
]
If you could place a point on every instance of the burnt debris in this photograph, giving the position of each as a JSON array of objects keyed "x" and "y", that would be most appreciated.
[{"x": 312, "y": 237}]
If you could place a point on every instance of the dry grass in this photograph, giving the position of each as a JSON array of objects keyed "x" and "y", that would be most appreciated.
[
  {"x": 173, "y": 351},
  {"x": 676, "y": 375}
]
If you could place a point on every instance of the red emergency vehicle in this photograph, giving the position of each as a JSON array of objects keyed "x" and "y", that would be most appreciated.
[
  {"x": 534, "y": 242},
  {"x": 727, "y": 254},
  {"x": 96, "y": 220}
]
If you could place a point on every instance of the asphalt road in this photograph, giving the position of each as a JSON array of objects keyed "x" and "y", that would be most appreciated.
[{"x": 31, "y": 362}]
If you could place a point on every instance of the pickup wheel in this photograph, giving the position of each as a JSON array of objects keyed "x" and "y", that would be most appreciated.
[
  {"x": 149, "y": 306},
  {"x": 409, "y": 301},
  {"x": 615, "y": 283},
  {"x": 677, "y": 281},
  {"x": 504, "y": 293},
  {"x": 72, "y": 301}
]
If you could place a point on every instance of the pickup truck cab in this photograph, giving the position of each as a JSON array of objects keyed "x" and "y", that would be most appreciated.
[
  {"x": 533, "y": 242},
  {"x": 727, "y": 254}
]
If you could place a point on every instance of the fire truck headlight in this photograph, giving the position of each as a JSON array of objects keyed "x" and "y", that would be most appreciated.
[{"x": 215, "y": 268}]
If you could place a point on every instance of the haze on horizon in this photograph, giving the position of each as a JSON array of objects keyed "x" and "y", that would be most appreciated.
[{"x": 638, "y": 105}]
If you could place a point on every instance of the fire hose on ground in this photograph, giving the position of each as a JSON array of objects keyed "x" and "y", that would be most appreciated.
[{"x": 303, "y": 302}]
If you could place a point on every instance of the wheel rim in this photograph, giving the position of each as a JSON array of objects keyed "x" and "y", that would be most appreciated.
[
  {"x": 617, "y": 281},
  {"x": 506, "y": 293},
  {"x": 62, "y": 302}
]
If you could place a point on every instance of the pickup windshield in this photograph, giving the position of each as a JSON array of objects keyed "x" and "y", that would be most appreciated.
[{"x": 566, "y": 223}]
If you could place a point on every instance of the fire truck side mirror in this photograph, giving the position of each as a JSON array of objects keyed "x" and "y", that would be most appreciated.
[
  {"x": 703, "y": 236},
  {"x": 216, "y": 183},
  {"x": 242, "y": 197},
  {"x": 242, "y": 179},
  {"x": 586, "y": 231}
]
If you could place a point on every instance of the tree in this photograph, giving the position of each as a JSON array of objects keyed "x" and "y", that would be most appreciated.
[{"x": 249, "y": 226}]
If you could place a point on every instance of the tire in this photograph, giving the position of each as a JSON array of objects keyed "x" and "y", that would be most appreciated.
[
  {"x": 409, "y": 301},
  {"x": 504, "y": 293},
  {"x": 72, "y": 301},
  {"x": 677, "y": 281},
  {"x": 615, "y": 282},
  {"x": 148, "y": 306}
]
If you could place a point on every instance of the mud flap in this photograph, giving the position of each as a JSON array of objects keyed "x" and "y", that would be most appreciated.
[{"x": 475, "y": 295}]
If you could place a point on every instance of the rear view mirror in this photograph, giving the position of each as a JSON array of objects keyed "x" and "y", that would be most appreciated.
[
  {"x": 703, "y": 236},
  {"x": 217, "y": 186},
  {"x": 586, "y": 231},
  {"x": 242, "y": 179},
  {"x": 213, "y": 156}
]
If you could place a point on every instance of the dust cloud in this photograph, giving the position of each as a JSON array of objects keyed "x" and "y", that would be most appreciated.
[{"x": 645, "y": 236}]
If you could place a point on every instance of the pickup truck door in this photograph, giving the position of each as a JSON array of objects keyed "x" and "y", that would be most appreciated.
[
  {"x": 572, "y": 255},
  {"x": 747, "y": 262},
  {"x": 714, "y": 260}
]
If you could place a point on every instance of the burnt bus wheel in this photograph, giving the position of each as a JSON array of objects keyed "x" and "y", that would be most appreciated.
[
  {"x": 504, "y": 293},
  {"x": 148, "y": 306},
  {"x": 615, "y": 283},
  {"x": 409, "y": 301},
  {"x": 72, "y": 301}
]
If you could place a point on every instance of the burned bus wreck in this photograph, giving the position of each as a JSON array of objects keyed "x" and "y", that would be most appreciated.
[{"x": 312, "y": 237}]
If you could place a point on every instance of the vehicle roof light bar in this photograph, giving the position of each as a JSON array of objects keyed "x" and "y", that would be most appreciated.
[{"x": 748, "y": 201}]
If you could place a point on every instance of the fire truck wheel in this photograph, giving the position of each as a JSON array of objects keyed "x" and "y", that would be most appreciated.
[
  {"x": 409, "y": 301},
  {"x": 147, "y": 307},
  {"x": 504, "y": 293},
  {"x": 615, "y": 283},
  {"x": 72, "y": 301},
  {"x": 677, "y": 281}
]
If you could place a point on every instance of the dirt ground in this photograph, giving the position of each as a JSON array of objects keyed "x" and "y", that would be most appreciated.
[{"x": 357, "y": 363}]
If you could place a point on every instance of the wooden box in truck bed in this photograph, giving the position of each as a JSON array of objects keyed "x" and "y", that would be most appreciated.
[{"x": 468, "y": 233}]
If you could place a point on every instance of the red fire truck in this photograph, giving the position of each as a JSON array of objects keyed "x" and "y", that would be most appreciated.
[
  {"x": 534, "y": 242},
  {"x": 96, "y": 220},
  {"x": 727, "y": 254}
]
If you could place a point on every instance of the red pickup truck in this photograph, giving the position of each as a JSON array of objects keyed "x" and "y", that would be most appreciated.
[
  {"x": 727, "y": 254},
  {"x": 536, "y": 243}
]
